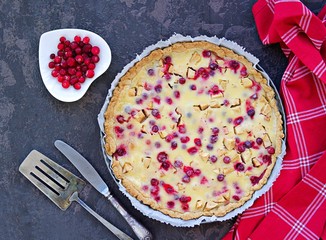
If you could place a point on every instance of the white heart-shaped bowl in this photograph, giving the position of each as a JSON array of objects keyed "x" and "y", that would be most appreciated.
[{"x": 48, "y": 44}]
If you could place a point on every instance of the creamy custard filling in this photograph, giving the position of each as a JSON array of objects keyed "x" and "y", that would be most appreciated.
[{"x": 194, "y": 131}]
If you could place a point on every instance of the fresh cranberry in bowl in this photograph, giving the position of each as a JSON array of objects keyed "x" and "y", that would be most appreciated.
[{"x": 74, "y": 68}]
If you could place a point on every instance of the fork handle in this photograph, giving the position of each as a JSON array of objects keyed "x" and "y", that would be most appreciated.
[
  {"x": 141, "y": 232},
  {"x": 121, "y": 235}
]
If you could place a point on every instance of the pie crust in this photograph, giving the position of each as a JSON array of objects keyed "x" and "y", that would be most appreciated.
[{"x": 193, "y": 130}]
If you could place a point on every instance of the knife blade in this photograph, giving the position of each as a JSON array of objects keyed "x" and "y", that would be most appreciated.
[{"x": 83, "y": 166}]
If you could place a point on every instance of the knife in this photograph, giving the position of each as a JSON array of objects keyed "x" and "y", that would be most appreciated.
[{"x": 91, "y": 175}]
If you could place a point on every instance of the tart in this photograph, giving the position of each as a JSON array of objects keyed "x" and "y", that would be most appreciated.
[{"x": 193, "y": 130}]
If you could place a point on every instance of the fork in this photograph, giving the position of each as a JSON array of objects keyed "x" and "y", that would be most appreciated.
[{"x": 60, "y": 185}]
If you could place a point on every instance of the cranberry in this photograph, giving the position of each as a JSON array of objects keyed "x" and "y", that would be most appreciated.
[
  {"x": 165, "y": 165},
  {"x": 213, "y": 158},
  {"x": 220, "y": 177},
  {"x": 203, "y": 180},
  {"x": 158, "y": 88},
  {"x": 251, "y": 112},
  {"x": 55, "y": 73},
  {"x": 197, "y": 142},
  {"x": 73, "y": 45},
  {"x": 185, "y": 139},
  {"x": 61, "y": 46},
  {"x": 62, "y": 72},
  {"x": 176, "y": 94},
  {"x": 192, "y": 150},
  {"x": 139, "y": 101},
  {"x": 239, "y": 167},
  {"x": 155, "y": 190},
  {"x": 214, "y": 90},
  {"x": 170, "y": 204},
  {"x": 62, "y": 39},
  {"x": 267, "y": 159},
  {"x": 226, "y": 159},
  {"x": 200, "y": 130},
  {"x": 206, "y": 53},
  {"x": 169, "y": 138},
  {"x": 51, "y": 64},
  {"x": 154, "y": 182},
  {"x": 86, "y": 40},
  {"x": 213, "y": 66},
  {"x": 215, "y": 130},
  {"x": 197, "y": 172},
  {"x": 209, "y": 147},
  {"x": 186, "y": 179},
  {"x": 57, "y": 59},
  {"x": 193, "y": 87},
  {"x": 237, "y": 121},
  {"x": 79, "y": 59},
  {"x": 259, "y": 141},
  {"x": 78, "y": 50},
  {"x": 157, "y": 100},
  {"x": 95, "y": 50},
  {"x": 77, "y": 86},
  {"x": 120, "y": 119},
  {"x": 185, "y": 199},
  {"x": 271, "y": 150},
  {"x": 167, "y": 76},
  {"x": 178, "y": 164},
  {"x": 213, "y": 139},
  {"x": 248, "y": 144},
  {"x": 61, "y": 78},
  {"x": 52, "y": 56},
  {"x": 185, "y": 206},
  {"x": 174, "y": 145},
  {"x": 67, "y": 43},
  {"x": 155, "y": 129},
  {"x": 169, "y": 101},
  {"x": 95, "y": 59},
  {"x": 182, "y": 128},
  {"x": 118, "y": 129},
  {"x": 243, "y": 72},
  {"x": 167, "y": 60},
  {"x": 155, "y": 113},
  {"x": 162, "y": 157},
  {"x": 234, "y": 65},
  {"x": 182, "y": 80},
  {"x": 241, "y": 148},
  {"x": 150, "y": 72},
  {"x": 71, "y": 62},
  {"x": 77, "y": 38},
  {"x": 168, "y": 188},
  {"x": 235, "y": 197},
  {"x": 121, "y": 151},
  {"x": 65, "y": 84},
  {"x": 190, "y": 172}
]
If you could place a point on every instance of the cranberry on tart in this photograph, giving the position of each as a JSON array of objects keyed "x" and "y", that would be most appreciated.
[{"x": 193, "y": 130}]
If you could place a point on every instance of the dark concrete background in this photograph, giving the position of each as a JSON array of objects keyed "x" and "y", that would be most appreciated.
[{"x": 30, "y": 118}]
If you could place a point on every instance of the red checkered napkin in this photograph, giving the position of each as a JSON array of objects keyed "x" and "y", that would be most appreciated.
[{"x": 295, "y": 206}]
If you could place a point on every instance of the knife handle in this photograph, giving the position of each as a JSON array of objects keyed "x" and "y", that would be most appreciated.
[{"x": 141, "y": 232}]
